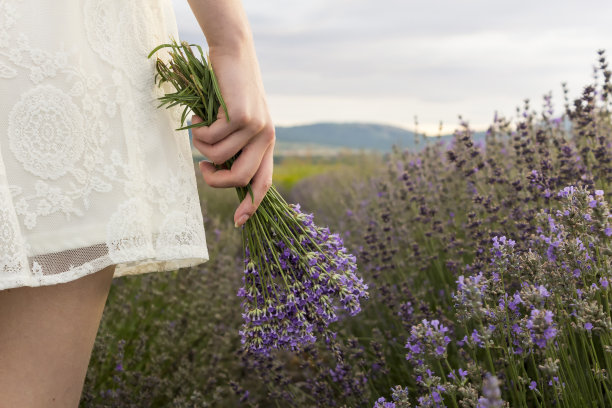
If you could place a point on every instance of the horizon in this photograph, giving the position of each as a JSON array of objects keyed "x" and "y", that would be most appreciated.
[
  {"x": 356, "y": 61},
  {"x": 352, "y": 122}
]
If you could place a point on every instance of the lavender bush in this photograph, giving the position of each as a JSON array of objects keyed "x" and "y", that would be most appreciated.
[
  {"x": 489, "y": 268},
  {"x": 508, "y": 243}
]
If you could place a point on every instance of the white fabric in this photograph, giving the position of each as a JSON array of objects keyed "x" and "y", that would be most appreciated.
[{"x": 92, "y": 173}]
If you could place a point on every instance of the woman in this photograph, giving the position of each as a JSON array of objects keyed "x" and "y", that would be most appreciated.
[{"x": 95, "y": 183}]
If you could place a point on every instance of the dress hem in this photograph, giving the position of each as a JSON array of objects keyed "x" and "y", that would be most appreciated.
[{"x": 193, "y": 256}]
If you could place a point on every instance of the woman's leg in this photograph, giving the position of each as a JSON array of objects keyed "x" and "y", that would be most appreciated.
[{"x": 46, "y": 339}]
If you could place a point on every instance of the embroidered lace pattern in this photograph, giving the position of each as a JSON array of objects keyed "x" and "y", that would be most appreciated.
[{"x": 92, "y": 173}]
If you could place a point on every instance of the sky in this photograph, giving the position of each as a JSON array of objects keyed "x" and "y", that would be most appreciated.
[{"x": 389, "y": 61}]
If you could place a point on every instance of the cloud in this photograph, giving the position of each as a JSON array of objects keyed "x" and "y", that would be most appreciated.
[{"x": 445, "y": 57}]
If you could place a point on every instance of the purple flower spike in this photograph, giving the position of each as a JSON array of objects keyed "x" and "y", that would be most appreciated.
[
  {"x": 297, "y": 290},
  {"x": 491, "y": 394},
  {"x": 427, "y": 338},
  {"x": 541, "y": 327}
]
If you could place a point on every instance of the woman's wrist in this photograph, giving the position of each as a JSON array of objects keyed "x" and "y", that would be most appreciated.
[
  {"x": 233, "y": 55},
  {"x": 235, "y": 39}
]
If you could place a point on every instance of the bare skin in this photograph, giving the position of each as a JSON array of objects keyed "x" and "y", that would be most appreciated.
[{"x": 47, "y": 335}]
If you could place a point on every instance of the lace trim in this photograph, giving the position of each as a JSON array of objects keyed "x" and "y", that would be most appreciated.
[{"x": 141, "y": 263}]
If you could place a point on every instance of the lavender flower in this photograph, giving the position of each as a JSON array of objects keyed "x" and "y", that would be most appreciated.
[
  {"x": 399, "y": 398},
  {"x": 491, "y": 395},
  {"x": 541, "y": 327},
  {"x": 382, "y": 403},
  {"x": 427, "y": 338},
  {"x": 317, "y": 272},
  {"x": 469, "y": 296}
]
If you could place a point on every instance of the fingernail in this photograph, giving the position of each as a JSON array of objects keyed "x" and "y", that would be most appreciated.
[{"x": 241, "y": 221}]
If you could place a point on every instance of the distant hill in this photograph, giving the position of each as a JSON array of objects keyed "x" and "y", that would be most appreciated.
[
  {"x": 366, "y": 136},
  {"x": 332, "y": 138}
]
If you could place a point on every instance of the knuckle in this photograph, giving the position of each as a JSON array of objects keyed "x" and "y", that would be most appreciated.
[
  {"x": 200, "y": 133},
  {"x": 243, "y": 177},
  {"x": 269, "y": 133},
  {"x": 196, "y": 133},
  {"x": 267, "y": 183},
  {"x": 257, "y": 124},
  {"x": 241, "y": 117},
  {"x": 203, "y": 135},
  {"x": 242, "y": 180}
]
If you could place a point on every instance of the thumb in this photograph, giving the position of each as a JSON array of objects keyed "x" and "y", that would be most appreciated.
[{"x": 244, "y": 211}]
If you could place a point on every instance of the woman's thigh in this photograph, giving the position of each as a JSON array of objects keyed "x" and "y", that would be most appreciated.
[{"x": 46, "y": 338}]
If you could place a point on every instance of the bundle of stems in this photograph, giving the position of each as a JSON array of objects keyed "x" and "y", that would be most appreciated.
[{"x": 295, "y": 273}]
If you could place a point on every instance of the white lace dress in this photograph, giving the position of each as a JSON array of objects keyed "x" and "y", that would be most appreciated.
[{"x": 92, "y": 173}]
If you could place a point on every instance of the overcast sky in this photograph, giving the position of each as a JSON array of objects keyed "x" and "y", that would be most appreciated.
[{"x": 386, "y": 61}]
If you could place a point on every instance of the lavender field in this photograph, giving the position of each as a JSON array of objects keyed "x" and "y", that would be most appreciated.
[{"x": 489, "y": 268}]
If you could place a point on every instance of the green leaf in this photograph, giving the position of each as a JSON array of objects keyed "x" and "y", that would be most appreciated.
[
  {"x": 159, "y": 47},
  {"x": 251, "y": 193},
  {"x": 218, "y": 93}
]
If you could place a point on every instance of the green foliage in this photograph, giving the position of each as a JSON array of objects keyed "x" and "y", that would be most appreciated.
[
  {"x": 195, "y": 85},
  {"x": 416, "y": 223},
  {"x": 288, "y": 171}
]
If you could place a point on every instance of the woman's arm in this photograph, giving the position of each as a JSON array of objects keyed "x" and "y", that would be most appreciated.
[
  {"x": 233, "y": 58},
  {"x": 223, "y": 22}
]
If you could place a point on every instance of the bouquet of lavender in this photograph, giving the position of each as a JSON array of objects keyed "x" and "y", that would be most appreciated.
[{"x": 297, "y": 275}]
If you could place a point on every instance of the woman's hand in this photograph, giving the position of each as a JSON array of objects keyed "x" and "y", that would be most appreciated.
[
  {"x": 232, "y": 55},
  {"x": 249, "y": 129}
]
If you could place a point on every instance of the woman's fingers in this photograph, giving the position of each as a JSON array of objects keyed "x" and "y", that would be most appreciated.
[
  {"x": 226, "y": 149},
  {"x": 259, "y": 185},
  {"x": 243, "y": 169},
  {"x": 221, "y": 151},
  {"x": 217, "y": 130},
  {"x": 221, "y": 128}
]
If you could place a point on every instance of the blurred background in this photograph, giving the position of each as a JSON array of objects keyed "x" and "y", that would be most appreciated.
[
  {"x": 345, "y": 81},
  {"x": 355, "y": 63}
]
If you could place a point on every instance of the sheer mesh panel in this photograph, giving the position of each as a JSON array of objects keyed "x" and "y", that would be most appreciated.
[{"x": 60, "y": 262}]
